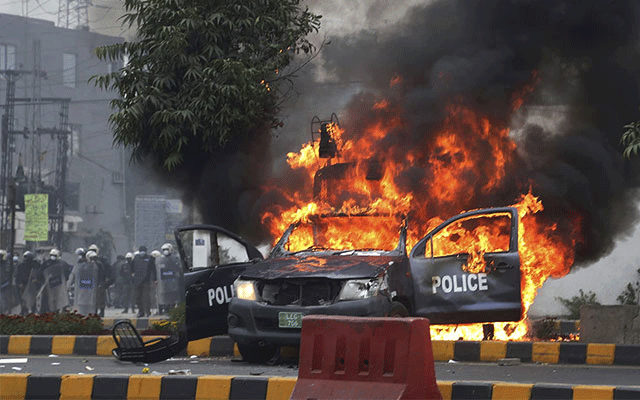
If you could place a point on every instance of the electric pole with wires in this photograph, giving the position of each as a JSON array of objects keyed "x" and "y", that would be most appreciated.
[{"x": 73, "y": 14}]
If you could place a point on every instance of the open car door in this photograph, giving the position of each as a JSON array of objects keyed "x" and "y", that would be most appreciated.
[
  {"x": 212, "y": 258},
  {"x": 467, "y": 269}
]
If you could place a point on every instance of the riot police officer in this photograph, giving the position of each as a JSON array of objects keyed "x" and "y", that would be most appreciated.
[
  {"x": 29, "y": 279},
  {"x": 85, "y": 280},
  {"x": 54, "y": 270},
  {"x": 116, "y": 294},
  {"x": 105, "y": 279},
  {"x": 6, "y": 287},
  {"x": 170, "y": 287},
  {"x": 144, "y": 273},
  {"x": 126, "y": 272}
]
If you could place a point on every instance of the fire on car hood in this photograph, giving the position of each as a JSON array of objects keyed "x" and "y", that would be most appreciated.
[{"x": 347, "y": 264}]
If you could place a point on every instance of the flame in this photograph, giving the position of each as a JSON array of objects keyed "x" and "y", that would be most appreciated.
[
  {"x": 396, "y": 80},
  {"x": 346, "y": 233},
  {"x": 467, "y": 156}
]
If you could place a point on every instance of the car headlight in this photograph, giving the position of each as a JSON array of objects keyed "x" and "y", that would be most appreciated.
[
  {"x": 361, "y": 288},
  {"x": 245, "y": 290}
]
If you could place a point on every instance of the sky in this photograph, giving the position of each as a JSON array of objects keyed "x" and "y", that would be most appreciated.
[
  {"x": 103, "y": 14},
  {"x": 606, "y": 277}
]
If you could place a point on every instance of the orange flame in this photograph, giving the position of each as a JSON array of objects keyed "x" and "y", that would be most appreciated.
[{"x": 466, "y": 156}]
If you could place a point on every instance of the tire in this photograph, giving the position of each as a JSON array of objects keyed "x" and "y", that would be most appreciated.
[
  {"x": 257, "y": 354},
  {"x": 398, "y": 310}
]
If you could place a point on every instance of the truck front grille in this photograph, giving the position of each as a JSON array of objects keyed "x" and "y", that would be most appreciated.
[{"x": 307, "y": 292}]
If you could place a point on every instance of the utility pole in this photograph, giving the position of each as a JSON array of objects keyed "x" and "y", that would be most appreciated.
[
  {"x": 8, "y": 148},
  {"x": 73, "y": 14},
  {"x": 8, "y": 183},
  {"x": 61, "y": 134},
  {"x": 57, "y": 216}
]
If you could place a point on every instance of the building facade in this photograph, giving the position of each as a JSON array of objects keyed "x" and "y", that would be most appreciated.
[{"x": 45, "y": 89}]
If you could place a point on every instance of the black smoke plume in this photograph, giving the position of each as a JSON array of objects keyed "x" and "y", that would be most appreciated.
[
  {"x": 585, "y": 62},
  {"x": 582, "y": 56}
]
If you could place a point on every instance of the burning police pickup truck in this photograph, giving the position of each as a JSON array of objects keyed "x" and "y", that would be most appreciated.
[{"x": 467, "y": 269}]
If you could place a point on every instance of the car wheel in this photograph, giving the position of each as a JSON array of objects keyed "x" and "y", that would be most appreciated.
[
  {"x": 398, "y": 310},
  {"x": 254, "y": 353}
]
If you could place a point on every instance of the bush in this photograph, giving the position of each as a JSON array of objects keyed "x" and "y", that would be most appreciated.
[
  {"x": 574, "y": 304},
  {"x": 176, "y": 320},
  {"x": 66, "y": 323}
]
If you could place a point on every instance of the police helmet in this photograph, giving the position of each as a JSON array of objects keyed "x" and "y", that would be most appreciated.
[
  {"x": 167, "y": 246},
  {"x": 156, "y": 253},
  {"x": 128, "y": 256},
  {"x": 54, "y": 252},
  {"x": 94, "y": 247},
  {"x": 28, "y": 255},
  {"x": 80, "y": 251},
  {"x": 91, "y": 254},
  {"x": 3, "y": 254}
]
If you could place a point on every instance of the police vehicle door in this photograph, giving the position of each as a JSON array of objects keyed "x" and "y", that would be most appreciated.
[
  {"x": 467, "y": 269},
  {"x": 212, "y": 258}
]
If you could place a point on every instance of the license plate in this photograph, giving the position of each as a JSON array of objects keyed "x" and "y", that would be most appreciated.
[{"x": 290, "y": 319}]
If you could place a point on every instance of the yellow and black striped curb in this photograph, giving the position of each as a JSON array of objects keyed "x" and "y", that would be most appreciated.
[
  {"x": 102, "y": 345},
  {"x": 176, "y": 387},
  {"x": 542, "y": 352},
  {"x": 488, "y": 351},
  {"x": 485, "y": 351}
]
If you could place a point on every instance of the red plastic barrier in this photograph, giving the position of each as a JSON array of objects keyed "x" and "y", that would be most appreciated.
[{"x": 365, "y": 358}]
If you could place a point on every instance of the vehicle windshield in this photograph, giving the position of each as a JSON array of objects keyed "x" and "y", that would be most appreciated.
[{"x": 340, "y": 233}]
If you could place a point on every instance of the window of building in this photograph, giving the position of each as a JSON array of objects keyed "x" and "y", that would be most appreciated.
[
  {"x": 7, "y": 56},
  {"x": 74, "y": 148},
  {"x": 69, "y": 69},
  {"x": 72, "y": 196}
]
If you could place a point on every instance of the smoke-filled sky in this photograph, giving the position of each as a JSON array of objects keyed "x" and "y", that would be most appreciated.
[
  {"x": 586, "y": 57},
  {"x": 480, "y": 53}
]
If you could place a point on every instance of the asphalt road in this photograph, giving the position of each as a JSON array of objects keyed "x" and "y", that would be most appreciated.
[{"x": 488, "y": 372}]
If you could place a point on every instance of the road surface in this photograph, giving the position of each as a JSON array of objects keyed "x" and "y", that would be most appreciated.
[{"x": 581, "y": 374}]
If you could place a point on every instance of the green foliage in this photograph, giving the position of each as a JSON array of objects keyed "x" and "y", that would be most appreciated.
[
  {"x": 631, "y": 139},
  {"x": 201, "y": 73},
  {"x": 631, "y": 294},
  {"x": 574, "y": 304},
  {"x": 177, "y": 319},
  {"x": 67, "y": 323}
]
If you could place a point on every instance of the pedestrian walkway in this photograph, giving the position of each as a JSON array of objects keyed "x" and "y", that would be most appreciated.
[{"x": 111, "y": 315}]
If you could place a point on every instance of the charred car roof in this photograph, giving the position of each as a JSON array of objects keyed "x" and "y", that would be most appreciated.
[{"x": 316, "y": 261}]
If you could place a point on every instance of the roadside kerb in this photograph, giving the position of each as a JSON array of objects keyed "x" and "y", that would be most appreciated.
[
  {"x": 152, "y": 387},
  {"x": 461, "y": 350}
]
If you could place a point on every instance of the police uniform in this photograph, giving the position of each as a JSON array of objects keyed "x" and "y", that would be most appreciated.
[
  {"x": 144, "y": 272},
  {"x": 85, "y": 281},
  {"x": 56, "y": 282},
  {"x": 7, "y": 299},
  {"x": 31, "y": 268},
  {"x": 126, "y": 272},
  {"x": 170, "y": 289}
]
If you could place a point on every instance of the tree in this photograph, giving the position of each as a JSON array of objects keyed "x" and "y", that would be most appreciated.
[
  {"x": 574, "y": 304},
  {"x": 201, "y": 74},
  {"x": 631, "y": 293},
  {"x": 631, "y": 139}
]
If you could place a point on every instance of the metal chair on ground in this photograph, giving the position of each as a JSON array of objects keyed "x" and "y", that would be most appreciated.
[{"x": 132, "y": 348}]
